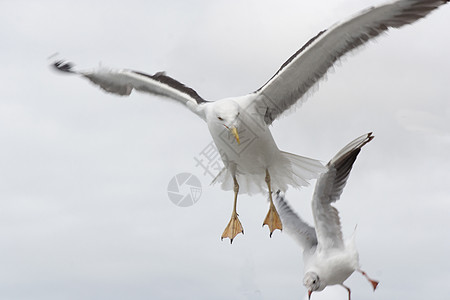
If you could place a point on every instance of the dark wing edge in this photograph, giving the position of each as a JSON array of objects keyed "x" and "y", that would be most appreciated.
[
  {"x": 165, "y": 79},
  {"x": 64, "y": 66},
  {"x": 122, "y": 82},
  {"x": 404, "y": 12},
  {"x": 342, "y": 163},
  {"x": 290, "y": 59},
  {"x": 329, "y": 188}
]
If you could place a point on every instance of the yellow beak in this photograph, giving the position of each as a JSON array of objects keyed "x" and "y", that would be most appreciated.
[{"x": 235, "y": 133}]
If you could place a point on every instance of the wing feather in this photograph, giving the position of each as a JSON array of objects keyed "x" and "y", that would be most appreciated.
[
  {"x": 307, "y": 66},
  {"x": 329, "y": 188},
  {"x": 301, "y": 231},
  {"x": 123, "y": 82}
]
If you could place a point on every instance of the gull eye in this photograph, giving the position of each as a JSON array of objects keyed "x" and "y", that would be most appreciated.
[
  {"x": 221, "y": 119},
  {"x": 314, "y": 281}
]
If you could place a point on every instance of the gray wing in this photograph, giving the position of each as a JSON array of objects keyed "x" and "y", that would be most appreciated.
[
  {"x": 308, "y": 65},
  {"x": 329, "y": 188},
  {"x": 123, "y": 82},
  {"x": 303, "y": 233}
]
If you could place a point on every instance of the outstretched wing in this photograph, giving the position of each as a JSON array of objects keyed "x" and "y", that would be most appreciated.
[
  {"x": 329, "y": 188},
  {"x": 303, "y": 233},
  {"x": 123, "y": 82},
  {"x": 309, "y": 64}
]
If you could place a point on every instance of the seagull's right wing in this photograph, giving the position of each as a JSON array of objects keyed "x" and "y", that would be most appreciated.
[
  {"x": 307, "y": 66},
  {"x": 329, "y": 188},
  {"x": 123, "y": 81},
  {"x": 303, "y": 233}
]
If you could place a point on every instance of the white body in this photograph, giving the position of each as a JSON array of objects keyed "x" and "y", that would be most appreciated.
[
  {"x": 334, "y": 265},
  {"x": 328, "y": 260},
  {"x": 256, "y": 152}
]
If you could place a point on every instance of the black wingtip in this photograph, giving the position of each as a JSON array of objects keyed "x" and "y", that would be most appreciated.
[
  {"x": 64, "y": 66},
  {"x": 370, "y": 137}
]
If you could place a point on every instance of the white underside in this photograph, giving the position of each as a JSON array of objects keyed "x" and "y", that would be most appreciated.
[
  {"x": 286, "y": 170},
  {"x": 256, "y": 153},
  {"x": 334, "y": 266}
]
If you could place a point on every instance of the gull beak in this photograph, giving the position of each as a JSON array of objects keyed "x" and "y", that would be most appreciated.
[
  {"x": 309, "y": 294},
  {"x": 235, "y": 133}
]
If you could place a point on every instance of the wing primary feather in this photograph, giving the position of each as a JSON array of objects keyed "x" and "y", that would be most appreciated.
[
  {"x": 165, "y": 79},
  {"x": 341, "y": 165},
  {"x": 287, "y": 62},
  {"x": 329, "y": 188},
  {"x": 64, "y": 66},
  {"x": 301, "y": 231},
  {"x": 303, "y": 70},
  {"x": 123, "y": 82}
]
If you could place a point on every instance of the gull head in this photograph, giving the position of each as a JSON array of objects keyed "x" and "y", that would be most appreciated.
[
  {"x": 225, "y": 114},
  {"x": 312, "y": 282}
]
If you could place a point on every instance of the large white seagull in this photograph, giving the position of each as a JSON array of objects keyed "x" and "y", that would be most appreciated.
[{"x": 239, "y": 125}]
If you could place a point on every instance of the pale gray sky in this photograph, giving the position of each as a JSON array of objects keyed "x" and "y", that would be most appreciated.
[{"x": 84, "y": 210}]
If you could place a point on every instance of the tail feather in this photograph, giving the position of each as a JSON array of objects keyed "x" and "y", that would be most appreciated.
[
  {"x": 288, "y": 170},
  {"x": 304, "y": 167}
]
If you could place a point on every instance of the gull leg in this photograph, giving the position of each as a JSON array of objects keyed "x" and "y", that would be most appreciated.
[
  {"x": 234, "y": 227},
  {"x": 272, "y": 219},
  {"x": 349, "y": 292},
  {"x": 373, "y": 282}
]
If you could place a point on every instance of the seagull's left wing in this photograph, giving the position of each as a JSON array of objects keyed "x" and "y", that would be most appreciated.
[
  {"x": 123, "y": 82},
  {"x": 329, "y": 188},
  {"x": 309, "y": 64},
  {"x": 301, "y": 231}
]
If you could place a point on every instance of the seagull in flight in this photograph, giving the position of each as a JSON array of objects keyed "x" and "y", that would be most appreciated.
[
  {"x": 328, "y": 259},
  {"x": 239, "y": 125}
]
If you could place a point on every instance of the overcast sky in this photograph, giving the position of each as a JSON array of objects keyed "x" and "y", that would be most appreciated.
[{"x": 84, "y": 209}]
